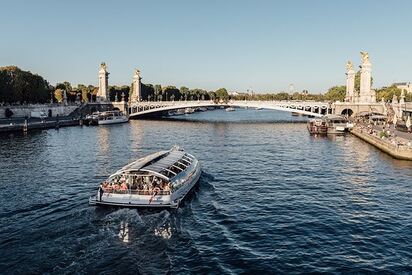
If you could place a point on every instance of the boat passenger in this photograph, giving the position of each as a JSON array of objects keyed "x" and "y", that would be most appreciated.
[
  {"x": 123, "y": 187},
  {"x": 167, "y": 187},
  {"x": 116, "y": 187},
  {"x": 105, "y": 185},
  {"x": 101, "y": 191},
  {"x": 109, "y": 187}
]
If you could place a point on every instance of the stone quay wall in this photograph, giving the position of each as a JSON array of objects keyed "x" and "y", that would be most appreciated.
[
  {"x": 398, "y": 151},
  {"x": 25, "y": 110}
]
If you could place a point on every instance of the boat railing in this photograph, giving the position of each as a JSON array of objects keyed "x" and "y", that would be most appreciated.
[{"x": 136, "y": 192}]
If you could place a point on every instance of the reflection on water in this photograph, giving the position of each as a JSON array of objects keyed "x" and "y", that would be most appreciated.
[
  {"x": 103, "y": 142},
  {"x": 271, "y": 198},
  {"x": 164, "y": 231},
  {"x": 124, "y": 232}
]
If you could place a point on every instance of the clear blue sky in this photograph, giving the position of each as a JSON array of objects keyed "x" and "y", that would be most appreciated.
[{"x": 263, "y": 45}]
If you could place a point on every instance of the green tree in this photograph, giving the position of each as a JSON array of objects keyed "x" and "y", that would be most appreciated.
[
  {"x": 222, "y": 94},
  {"x": 58, "y": 94},
  {"x": 184, "y": 92},
  {"x": 170, "y": 91},
  {"x": 21, "y": 86},
  {"x": 212, "y": 95},
  {"x": 282, "y": 96},
  {"x": 408, "y": 97},
  {"x": 83, "y": 90},
  {"x": 387, "y": 93},
  {"x": 357, "y": 80},
  {"x": 148, "y": 92},
  {"x": 336, "y": 93}
]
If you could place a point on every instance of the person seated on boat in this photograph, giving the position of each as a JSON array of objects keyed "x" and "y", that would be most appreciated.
[
  {"x": 166, "y": 187},
  {"x": 134, "y": 186},
  {"x": 105, "y": 185},
  {"x": 145, "y": 188},
  {"x": 116, "y": 187},
  {"x": 123, "y": 187},
  {"x": 155, "y": 190}
]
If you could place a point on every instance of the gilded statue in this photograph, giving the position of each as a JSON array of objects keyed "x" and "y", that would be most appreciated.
[
  {"x": 103, "y": 66},
  {"x": 349, "y": 66},
  {"x": 137, "y": 72},
  {"x": 364, "y": 57}
]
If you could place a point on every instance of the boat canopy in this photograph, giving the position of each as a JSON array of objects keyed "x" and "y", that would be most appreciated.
[
  {"x": 136, "y": 165},
  {"x": 335, "y": 117},
  {"x": 164, "y": 163}
]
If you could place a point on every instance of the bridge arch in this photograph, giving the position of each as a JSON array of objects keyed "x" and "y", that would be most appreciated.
[
  {"x": 347, "y": 112},
  {"x": 316, "y": 109}
]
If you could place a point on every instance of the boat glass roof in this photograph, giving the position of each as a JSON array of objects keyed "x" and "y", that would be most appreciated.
[{"x": 165, "y": 162}]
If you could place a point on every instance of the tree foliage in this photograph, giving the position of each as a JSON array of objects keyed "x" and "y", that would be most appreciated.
[
  {"x": 222, "y": 94},
  {"x": 357, "y": 80},
  {"x": 21, "y": 86},
  {"x": 116, "y": 92},
  {"x": 58, "y": 94},
  {"x": 336, "y": 93},
  {"x": 387, "y": 93}
]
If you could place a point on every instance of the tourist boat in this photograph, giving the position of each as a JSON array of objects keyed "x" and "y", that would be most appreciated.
[
  {"x": 111, "y": 117},
  {"x": 180, "y": 112},
  {"x": 337, "y": 124},
  {"x": 162, "y": 179},
  {"x": 329, "y": 124},
  {"x": 230, "y": 109},
  {"x": 92, "y": 119},
  {"x": 317, "y": 127},
  {"x": 177, "y": 112},
  {"x": 189, "y": 111}
]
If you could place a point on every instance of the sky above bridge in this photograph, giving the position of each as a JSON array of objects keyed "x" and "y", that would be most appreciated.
[{"x": 241, "y": 45}]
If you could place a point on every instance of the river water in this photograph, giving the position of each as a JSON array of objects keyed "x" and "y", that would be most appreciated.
[{"x": 271, "y": 199}]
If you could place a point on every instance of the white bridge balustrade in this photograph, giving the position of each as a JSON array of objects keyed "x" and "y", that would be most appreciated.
[{"x": 310, "y": 108}]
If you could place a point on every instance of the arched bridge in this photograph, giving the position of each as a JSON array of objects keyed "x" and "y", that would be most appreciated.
[{"x": 309, "y": 108}]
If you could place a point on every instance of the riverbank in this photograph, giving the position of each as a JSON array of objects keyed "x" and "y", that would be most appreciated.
[
  {"x": 22, "y": 126},
  {"x": 399, "y": 148}
]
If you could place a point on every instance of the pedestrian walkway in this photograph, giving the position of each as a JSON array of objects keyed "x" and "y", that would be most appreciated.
[{"x": 404, "y": 135}]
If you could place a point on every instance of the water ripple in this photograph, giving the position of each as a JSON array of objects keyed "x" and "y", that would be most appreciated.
[{"x": 271, "y": 199}]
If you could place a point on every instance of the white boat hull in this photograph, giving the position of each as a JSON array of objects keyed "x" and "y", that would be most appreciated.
[
  {"x": 113, "y": 121},
  {"x": 148, "y": 201}
]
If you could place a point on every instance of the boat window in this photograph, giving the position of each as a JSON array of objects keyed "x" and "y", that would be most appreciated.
[
  {"x": 171, "y": 171},
  {"x": 187, "y": 161},
  {"x": 182, "y": 164},
  {"x": 176, "y": 165},
  {"x": 187, "y": 157}
]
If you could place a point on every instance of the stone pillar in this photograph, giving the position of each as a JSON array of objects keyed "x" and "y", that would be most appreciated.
[
  {"x": 395, "y": 105},
  {"x": 136, "y": 93},
  {"x": 350, "y": 83},
  {"x": 402, "y": 98},
  {"x": 401, "y": 105},
  {"x": 103, "y": 95},
  {"x": 366, "y": 95},
  {"x": 64, "y": 98}
]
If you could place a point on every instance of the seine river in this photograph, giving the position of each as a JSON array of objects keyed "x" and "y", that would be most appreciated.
[{"x": 271, "y": 199}]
